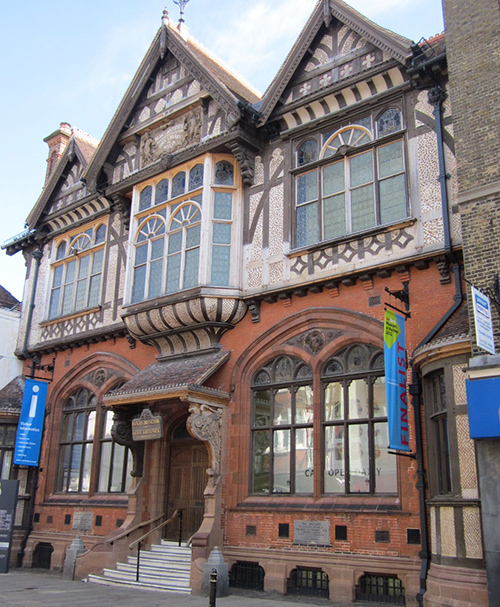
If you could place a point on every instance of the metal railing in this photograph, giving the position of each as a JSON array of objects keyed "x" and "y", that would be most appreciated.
[{"x": 138, "y": 542}]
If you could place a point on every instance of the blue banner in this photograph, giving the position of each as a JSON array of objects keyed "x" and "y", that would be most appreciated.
[
  {"x": 483, "y": 407},
  {"x": 395, "y": 381},
  {"x": 29, "y": 430}
]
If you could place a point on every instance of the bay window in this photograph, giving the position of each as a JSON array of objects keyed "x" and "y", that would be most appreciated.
[{"x": 185, "y": 230}]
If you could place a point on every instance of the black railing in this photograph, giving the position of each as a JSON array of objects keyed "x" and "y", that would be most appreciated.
[{"x": 308, "y": 581}]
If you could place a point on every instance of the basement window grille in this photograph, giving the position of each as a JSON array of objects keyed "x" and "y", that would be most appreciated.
[
  {"x": 247, "y": 575},
  {"x": 308, "y": 581},
  {"x": 381, "y": 589}
]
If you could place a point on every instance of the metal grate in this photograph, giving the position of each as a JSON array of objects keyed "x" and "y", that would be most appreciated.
[
  {"x": 382, "y": 589},
  {"x": 42, "y": 555},
  {"x": 246, "y": 575},
  {"x": 308, "y": 582}
]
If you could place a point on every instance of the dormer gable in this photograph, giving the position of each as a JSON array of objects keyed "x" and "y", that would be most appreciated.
[
  {"x": 180, "y": 97},
  {"x": 338, "y": 45},
  {"x": 64, "y": 187}
]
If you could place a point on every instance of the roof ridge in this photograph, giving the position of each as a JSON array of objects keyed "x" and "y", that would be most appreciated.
[
  {"x": 211, "y": 55},
  {"x": 79, "y": 134}
]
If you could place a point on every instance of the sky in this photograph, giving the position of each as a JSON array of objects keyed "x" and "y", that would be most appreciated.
[{"x": 63, "y": 61}]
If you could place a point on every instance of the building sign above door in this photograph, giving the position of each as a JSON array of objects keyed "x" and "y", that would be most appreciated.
[{"x": 147, "y": 426}]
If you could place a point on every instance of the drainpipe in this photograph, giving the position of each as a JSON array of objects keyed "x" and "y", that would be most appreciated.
[{"x": 37, "y": 256}]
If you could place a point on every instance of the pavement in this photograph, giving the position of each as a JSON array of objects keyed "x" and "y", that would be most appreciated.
[{"x": 37, "y": 588}]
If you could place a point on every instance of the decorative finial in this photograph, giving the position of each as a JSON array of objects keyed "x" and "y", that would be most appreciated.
[
  {"x": 164, "y": 19},
  {"x": 181, "y": 4},
  {"x": 163, "y": 34}
]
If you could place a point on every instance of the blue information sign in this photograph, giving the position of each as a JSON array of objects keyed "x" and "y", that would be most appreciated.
[
  {"x": 395, "y": 381},
  {"x": 29, "y": 430},
  {"x": 483, "y": 405}
]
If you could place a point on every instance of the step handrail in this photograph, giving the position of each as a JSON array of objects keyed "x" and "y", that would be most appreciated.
[
  {"x": 134, "y": 528},
  {"x": 143, "y": 537}
]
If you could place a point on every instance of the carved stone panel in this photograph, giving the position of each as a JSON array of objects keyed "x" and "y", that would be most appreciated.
[{"x": 205, "y": 424}]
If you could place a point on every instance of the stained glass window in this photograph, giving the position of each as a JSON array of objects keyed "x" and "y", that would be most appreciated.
[{"x": 224, "y": 173}]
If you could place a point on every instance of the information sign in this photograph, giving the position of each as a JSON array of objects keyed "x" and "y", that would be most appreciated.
[{"x": 30, "y": 427}]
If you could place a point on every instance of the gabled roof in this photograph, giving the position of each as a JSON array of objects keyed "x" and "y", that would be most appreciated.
[
  {"x": 82, "y": 146},
  {"x": 11, "y": 396},
  {"x": 7, "y": 300},
  {"x": 393, "y": 44},
  {"x": 222, "y": 84}
]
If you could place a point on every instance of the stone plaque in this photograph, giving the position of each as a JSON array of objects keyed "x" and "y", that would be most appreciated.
[
  {"x": 147, "y": 427},
  {"x": 315, "y": 533},
  {"x": 82, "y": 521}
]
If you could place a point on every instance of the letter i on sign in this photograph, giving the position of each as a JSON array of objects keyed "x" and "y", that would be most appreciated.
[{"x": 34, "y": 400}]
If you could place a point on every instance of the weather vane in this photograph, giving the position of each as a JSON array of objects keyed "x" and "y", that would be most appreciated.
[{"x": 181, "y": 4}]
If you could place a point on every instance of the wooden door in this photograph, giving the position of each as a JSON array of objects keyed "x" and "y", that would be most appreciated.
[{"x": 187, "y": 481}]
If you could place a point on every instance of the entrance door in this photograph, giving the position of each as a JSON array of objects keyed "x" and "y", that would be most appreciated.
[{"x": 188, "y": 479}]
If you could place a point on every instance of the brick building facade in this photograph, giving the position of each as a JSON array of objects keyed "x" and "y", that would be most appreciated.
[
  {"x": 221, "y": 261},
  {"x": 474, "y": 62}
]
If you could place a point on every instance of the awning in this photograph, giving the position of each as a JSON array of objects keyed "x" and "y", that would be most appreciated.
[{"x": 171, "y": 379}]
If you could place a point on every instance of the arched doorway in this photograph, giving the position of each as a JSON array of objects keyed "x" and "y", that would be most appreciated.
[{"x": 186, "y": 482}]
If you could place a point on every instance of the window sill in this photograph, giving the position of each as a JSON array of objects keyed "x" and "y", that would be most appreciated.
[
  {"x": 405, "y": 223},
  {"x": 365, "y": 504},
  {"x": 52, "y": 321}
]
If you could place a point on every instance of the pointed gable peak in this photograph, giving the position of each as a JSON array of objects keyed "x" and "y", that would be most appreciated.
[{"x": 325, "y": 13}]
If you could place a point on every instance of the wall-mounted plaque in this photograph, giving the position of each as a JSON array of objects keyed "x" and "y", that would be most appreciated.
[
  {"x": 82, "y": 521},
  {"x": 312, "y": 533},
  {"x": 147, "y": 426}
]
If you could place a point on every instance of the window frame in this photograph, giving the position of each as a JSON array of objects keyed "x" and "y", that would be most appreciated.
[
  {"x": 217, "y": 267},
  {"x": 346, "y": 421},
  {"x": 117, "y": 452},
  {"x": 66, "y": 266},
  {"x": 293, "y": 385},
  {"x": 7, "y": 446},
  {"x": 344, "y": 156}
]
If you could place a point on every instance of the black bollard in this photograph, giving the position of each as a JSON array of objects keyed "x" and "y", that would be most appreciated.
[{"x": 213, "y": 588}]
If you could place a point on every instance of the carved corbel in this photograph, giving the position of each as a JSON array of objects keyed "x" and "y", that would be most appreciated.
[
  {"x": 246, "y": 160},
  {"x": 205, "y": 424},
  {"x": 121, "y": 205},
  {"x": 121, "y": 431}
]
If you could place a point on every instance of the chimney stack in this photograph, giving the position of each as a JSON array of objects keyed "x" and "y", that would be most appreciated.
[{"x": 57, "y": 143}]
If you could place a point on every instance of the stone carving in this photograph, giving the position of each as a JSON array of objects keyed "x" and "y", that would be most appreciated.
[
  {"x": 254, "y": 307},
  {"x": 205, "y": 424},
  {"x": 149, "y": 152},
  {"x": 192, "y": 127},
  {"x": 246, "y": 160},
  {"x": 121, "y": 431},
  {"x": 314, "y": 341},
  {"x": 175, "y": 135},
  {"x": 100, "y": 377}
]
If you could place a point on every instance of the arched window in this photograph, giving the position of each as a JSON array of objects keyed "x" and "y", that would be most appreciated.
[
  {"x": 77, "y": 442},
  {"x": 355, "y": 432},
  {"x": 183, "y": 252},
  {"x": 196, "y": 177},
  {"x": 148, "y": 266},
  {"x": 224, "y": 173},
  {"x": 282, "y": 428},
  {"x": 179, "y": 184},
  {"x": 161, "y": 191},
  {"x": 307, "y": 152},
  {"x": 145, "y": 198}
]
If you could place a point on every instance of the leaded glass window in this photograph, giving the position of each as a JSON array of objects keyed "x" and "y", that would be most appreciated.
[
  {"x": 77, "y": 442},
  {"x": 356, "y": 183},
  {"x": 148, "y": 266},
  {"x": 178, "y": 184},
  {"x": 355, "y": 431},
  {"x": 77, "y": 272},
  {"x": 115, "y": 463},
  {"x": 183, "y": 252},
  {"x": 224, "y": 173},
  {"x": 196, "y": 177},
  {"x": 282, "y": 428}
]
